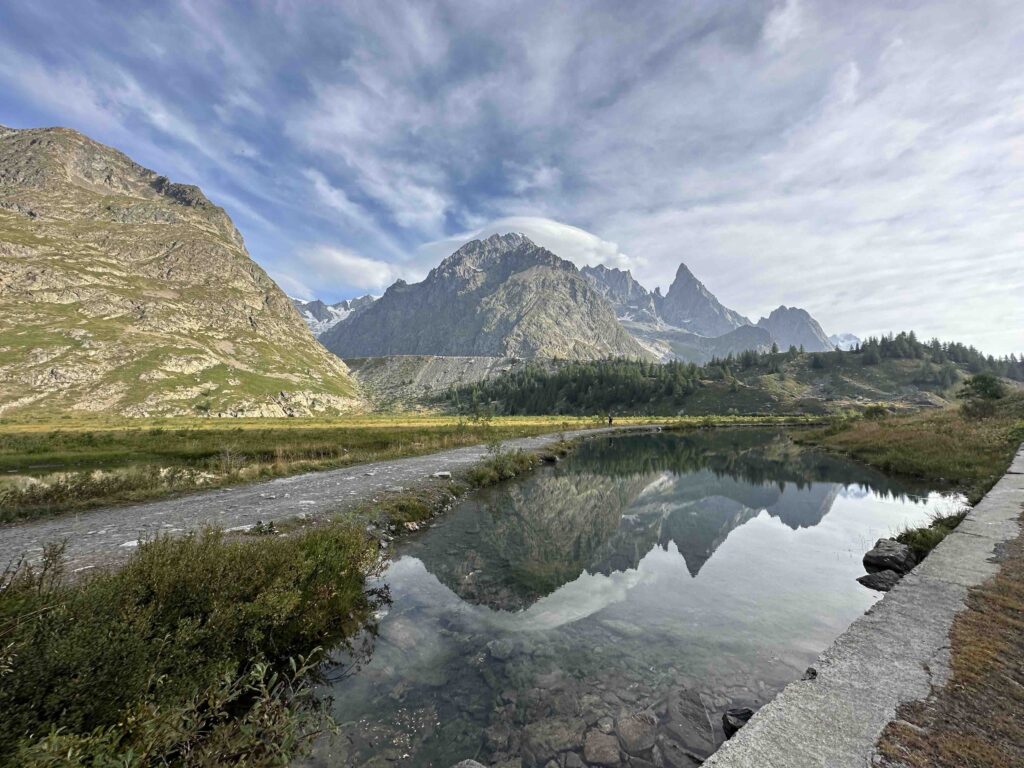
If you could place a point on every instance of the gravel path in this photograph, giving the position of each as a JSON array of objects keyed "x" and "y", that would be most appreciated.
[{"x": 107, "y": 535}]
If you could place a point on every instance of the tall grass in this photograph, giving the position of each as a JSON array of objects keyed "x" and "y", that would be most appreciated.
[{"x": 945, "y": 446}]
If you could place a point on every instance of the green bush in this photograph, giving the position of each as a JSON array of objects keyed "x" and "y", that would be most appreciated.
[
  {"x": 185, "y": 650},
  {"x": 875, "y": 411},
  {"x": 979, "y": 394}
]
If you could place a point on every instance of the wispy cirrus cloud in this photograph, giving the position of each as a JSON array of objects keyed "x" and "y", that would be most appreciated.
[{"x": 859, "y": 159}]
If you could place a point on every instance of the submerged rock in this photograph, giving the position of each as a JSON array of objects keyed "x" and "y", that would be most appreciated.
[
  {"x": 689, "y": 723},
  {"x": 675, "y": 755},
  {"x": 734, "y": 719},
  {"x": 500, "y": 650},
  {"x": 881, "y": 581},
  {"x": 546, "y": 739},
  {"x": 889, "y": 554},
  {"x": 601, "y": 749},
  {"x": 637, "y": 732}
]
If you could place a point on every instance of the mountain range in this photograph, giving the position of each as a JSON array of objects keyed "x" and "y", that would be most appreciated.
[
  {"x": 121, "y": 291},
  {"x": 502, "y": 297},
  {"x": 322, "y": 317},
  {"x": 690, "y": 323},
  {"x": 508, "y": 297}
]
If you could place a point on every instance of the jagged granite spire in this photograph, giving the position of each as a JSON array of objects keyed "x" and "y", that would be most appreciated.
[{"x": 691, "y": 306}]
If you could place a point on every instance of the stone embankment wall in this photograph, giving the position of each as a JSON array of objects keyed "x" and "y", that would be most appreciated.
[{"x": 893, "y": 654}]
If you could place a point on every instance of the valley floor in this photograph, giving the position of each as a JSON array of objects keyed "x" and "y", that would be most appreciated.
[{"x": 109, "y": 535}]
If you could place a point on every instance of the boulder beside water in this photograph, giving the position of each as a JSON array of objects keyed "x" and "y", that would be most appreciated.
[
  {"x": 689, "y": 725},
  {"x": 547, "y": 739},
  {"x": 889, "y": 555},
  {"x": 734, "y": 719},
  {"x": 880, "y": 581}
]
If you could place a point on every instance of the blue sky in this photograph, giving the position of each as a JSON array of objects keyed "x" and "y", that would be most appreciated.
[{"x": 864, "y": 160}]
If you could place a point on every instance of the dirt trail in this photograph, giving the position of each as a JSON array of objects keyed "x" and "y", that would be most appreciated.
[{"x": 107, "y": 535}]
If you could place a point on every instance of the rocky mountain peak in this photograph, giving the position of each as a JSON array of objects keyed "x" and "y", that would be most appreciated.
[
  {"x": 793, "y": 326},
  {"x": 321, "y": 317},
  {"x": 630, "y": 300},
  {"x": 501, "y": 296},
  {"x": 691, "y": 306},
  {"x": 498, "y": 255}
]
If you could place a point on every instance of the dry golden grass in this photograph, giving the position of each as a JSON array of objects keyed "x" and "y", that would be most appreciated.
[
  {"x": 939, "y": 445},
  {"x": 977, "y": 719}
]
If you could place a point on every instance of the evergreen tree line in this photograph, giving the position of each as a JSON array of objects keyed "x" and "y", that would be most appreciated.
[
  {"x": 621, "y": 385},
  {"x": 905, "y": 346},
  {"x": 582, "y": 388}
]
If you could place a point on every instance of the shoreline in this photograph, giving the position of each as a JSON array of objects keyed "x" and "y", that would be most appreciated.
[{"x": 897, "y": 653}]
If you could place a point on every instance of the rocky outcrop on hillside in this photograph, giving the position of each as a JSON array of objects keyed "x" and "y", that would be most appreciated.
[
  {"x": 500, "y": 297},
  {"x": 321, "y": 317},
  {"x": 123, "y": 292},
  {"x": 794, "y": 327}
]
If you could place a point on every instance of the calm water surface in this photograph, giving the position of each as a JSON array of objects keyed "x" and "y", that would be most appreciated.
[{"x": 662, "y": 577}]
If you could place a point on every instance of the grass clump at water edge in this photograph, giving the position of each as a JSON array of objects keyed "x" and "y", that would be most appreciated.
[
  {"x": 200, "y": 651},
  {"x": 924, "y": 539}
]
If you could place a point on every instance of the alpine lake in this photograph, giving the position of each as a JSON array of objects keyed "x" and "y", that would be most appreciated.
[{"x": 609, "y": 609}]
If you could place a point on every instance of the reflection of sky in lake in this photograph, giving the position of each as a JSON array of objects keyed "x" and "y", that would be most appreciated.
[{"x": 727, "y": 568}]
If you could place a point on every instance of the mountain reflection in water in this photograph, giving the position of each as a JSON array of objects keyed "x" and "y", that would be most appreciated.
[
  {"x": 641, "y": 573},
  {"x": 617, "y": 498}
]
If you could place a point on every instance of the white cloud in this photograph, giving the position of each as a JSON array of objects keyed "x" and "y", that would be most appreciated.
[
  {"x": 860, "y": 159},
  {"x": 536, "y": 177},
  {"x": 783, "y": 25},
  {"x": 571, "y": 243},
  {"x": 332, "y": 197},
  {"x": 326, "y": 266}
]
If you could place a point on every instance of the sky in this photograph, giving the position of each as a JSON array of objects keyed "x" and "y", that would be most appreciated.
[{"x": 863, "y": 160}]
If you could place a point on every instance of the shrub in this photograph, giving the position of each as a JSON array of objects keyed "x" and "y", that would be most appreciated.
[
  {"x": 186, "y": 650},
  {"x": 501, "y": 465},
  {"x": 979, "y": 394},
  {"x": 875, "y": 411}
]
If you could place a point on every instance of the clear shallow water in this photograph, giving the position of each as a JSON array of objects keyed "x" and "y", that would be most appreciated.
[{"x": 671, "y": 576}]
